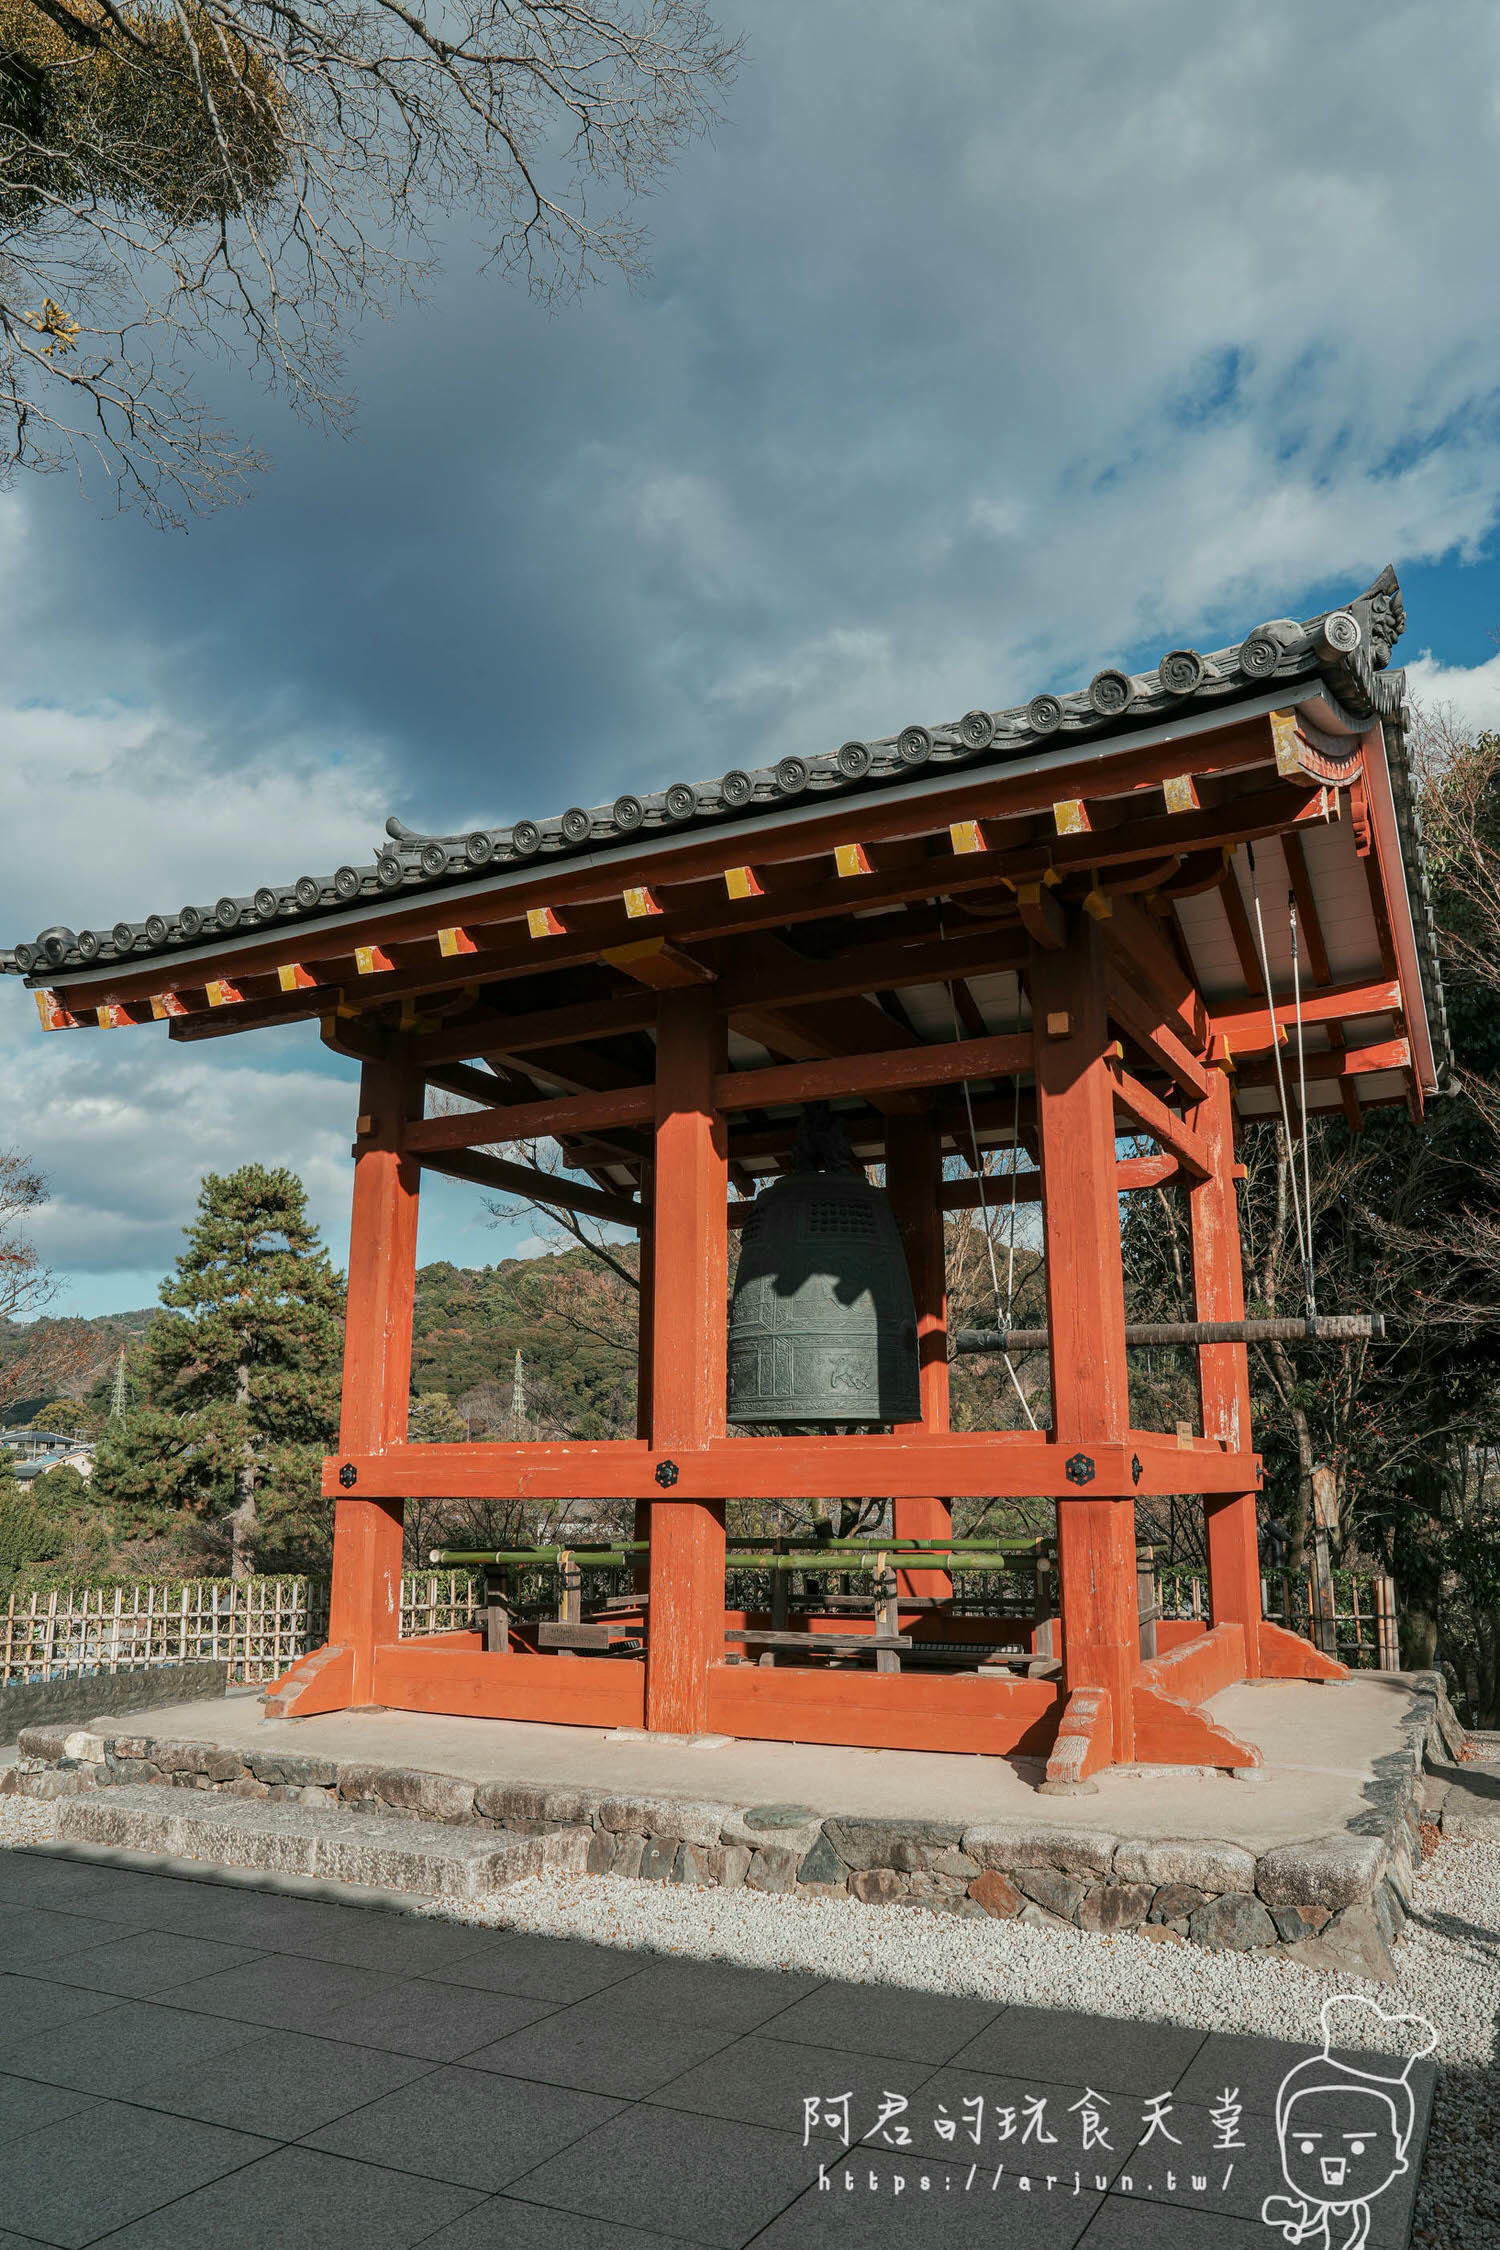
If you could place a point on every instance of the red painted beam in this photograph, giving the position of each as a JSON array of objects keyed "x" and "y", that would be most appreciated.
[
  {"x": 1162, "y": 1123},
  {"x": 944, "y": 1064},
  {"x": 1349, "y": 1062},
  {"x": 1249, "y": 1029},
  {"x": 1008, "y": 1464},
  {"x": 1131, "y": 1172}
]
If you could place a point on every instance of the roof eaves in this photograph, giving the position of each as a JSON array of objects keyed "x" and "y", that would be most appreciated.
[{"x": 1347, "y": 649}]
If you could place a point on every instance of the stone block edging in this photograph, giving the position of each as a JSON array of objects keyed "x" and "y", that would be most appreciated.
[{"x": 1335, "y": 1901}]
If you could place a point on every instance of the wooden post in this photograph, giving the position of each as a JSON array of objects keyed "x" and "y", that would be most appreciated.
[
  {"x": 914, "y": 1183},
  {"x": 640, "y": 1574},
  {"x": 689, "y": 1347},
  {"x": 887, "y": 1615},
  {"x": 364, "y": 1606},
  {"x": 1086, "y": 1319},
  {"x": 1224, "y": 1370},
  {"x": 1325, "y": 1500},
  {"x": 1148, "y": 1608},
  {"x": 1388, "y": 1640}
]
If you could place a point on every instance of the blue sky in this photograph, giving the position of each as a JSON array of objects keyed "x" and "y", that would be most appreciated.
[{"x": 983, "y": 346}]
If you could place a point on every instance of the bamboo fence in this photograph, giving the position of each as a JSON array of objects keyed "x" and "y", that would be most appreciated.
[{"x": 258, "y": 1626}]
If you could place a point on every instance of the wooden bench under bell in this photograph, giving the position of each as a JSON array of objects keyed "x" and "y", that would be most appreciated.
[
  {"x": 886, "y": 1648},
  {"x": 598, "y": 1634}
]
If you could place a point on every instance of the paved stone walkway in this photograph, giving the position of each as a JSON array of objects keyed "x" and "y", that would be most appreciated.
[{"x": 185, "y": 2063}]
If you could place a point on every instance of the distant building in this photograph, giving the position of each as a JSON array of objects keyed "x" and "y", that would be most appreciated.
[{"x": 38, "y": 1451}]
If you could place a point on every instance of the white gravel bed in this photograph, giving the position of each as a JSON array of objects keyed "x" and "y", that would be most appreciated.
[{"x": 1448, "y": 1960}]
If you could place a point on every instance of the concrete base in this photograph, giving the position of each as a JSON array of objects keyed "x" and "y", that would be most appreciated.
[{"x": 1315, "y": 1862}]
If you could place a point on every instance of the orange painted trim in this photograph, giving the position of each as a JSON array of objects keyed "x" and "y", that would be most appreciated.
[
  {"x": 454, "y": 941},
  {"x": 471, "y": 1683},
  {"x": 884, "y": 1711},
  {"x": 321, "y": 1681},
  {"x": 1169, "y": 1733},
  {"x": 1198, "y": 1668},
  {"x": 1287, "y": 1656},
  {"x": 1004, "y": 1463},
  {"x": 1249, "y": 1029}
]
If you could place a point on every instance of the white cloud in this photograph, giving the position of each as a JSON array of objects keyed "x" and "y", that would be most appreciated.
[
  {"x": 111, "y": 812},
  {"x": 1470, "y": 692}
]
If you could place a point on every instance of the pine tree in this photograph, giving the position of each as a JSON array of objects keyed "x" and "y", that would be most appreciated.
[{"x": 241, "y": 1376}]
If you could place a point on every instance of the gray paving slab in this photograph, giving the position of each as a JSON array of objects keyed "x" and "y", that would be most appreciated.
[
  {"x": 972, "y": 2115},
  {"x": 716, "y": 1993},
  {"x": 711, "y": 2179},
  {"x": 320, "y": 2090},
  {"x": 300, "y": 2196},
  {"x": 36, "y": 1939},
  {"x": 25, "y": 2103},
  {"x": 1106, "y": 2052},
  {"x": 541, "y": 1968},
  {"x": 82, "y": 2177},
  {"x": 283, "y": 2084},
  {"x": 32, "y": 2006},
  {"x": 1121, "y": 2225},
  {"x": 602, "y": 2046},
  {"x": 282, "y": 1990},
  {"x": 466, "y": 2126},
  {"x": 768, "y": 2081},
  {"x": 505, "y": 2223},
  {"x": 120, "y": 2048},
  {"x": 884, "y": 2206},
  {"x": 144, "y": 1963},
  {"x": 437, "y": 2022},
  {"x": 883, "y": 2019}
]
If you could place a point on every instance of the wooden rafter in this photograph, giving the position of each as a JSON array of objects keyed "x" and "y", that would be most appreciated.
[{"x": 1317, "y": 955}]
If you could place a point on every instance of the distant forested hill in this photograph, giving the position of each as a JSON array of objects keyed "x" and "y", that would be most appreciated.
[
  {"x": 46, "y": 1359},
  {"x": 573, "y": 1323}
]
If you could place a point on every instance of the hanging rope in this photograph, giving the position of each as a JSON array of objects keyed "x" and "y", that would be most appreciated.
[
  {"x": 1286, "y": 1117},
  {"x": 1309, "y": 1281},
  {"x": 984, "y": 1209}
]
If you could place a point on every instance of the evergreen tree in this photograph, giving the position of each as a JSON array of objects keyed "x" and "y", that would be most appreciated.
[{"x": 239, "y": 1379}]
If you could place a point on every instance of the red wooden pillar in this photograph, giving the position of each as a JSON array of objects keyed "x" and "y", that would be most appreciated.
[
  {"x": 645, "y": 1338},
  {"x": 689, "y": 1349},
  {"x": 364, "y": 1606},
  {"x": 913, "y": 1178},
  {"x": 1086, "y": 1319},
  {"x": 1223, "y": 1371}
]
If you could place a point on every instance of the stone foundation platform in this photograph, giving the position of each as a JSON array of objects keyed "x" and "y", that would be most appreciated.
[{"x": 1311, "y": 1862}]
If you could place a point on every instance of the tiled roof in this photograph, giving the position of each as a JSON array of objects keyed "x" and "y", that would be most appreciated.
[{"x": 1345, "y": 651}]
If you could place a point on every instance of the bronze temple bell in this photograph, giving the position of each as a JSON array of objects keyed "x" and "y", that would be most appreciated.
[{"x": 822, "y": 1329}]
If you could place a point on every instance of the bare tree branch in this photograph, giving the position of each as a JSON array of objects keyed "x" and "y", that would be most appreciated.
[{"x": 181, "y": 177}]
